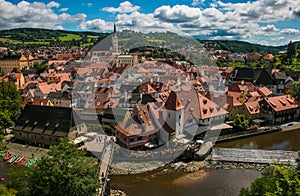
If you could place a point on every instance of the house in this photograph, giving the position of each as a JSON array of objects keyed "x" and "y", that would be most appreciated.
[
  {"x": 43, "y": 89},
  {"x": 280, "y": 109},
  {"x": 138, "y": 130},
  {"x": 257, "y": 76},
  {"x": 186, "y": 108},
  {"x": 62, "y": 99},
  {"x": 45, "y": 125},
  {"x": 37, "y": 101},
  {"x": 252, "y": 110},
  {"x": 280, "y": 78}
]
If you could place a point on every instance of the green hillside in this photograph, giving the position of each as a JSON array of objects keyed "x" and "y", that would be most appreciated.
[
  {"x": 240, "y": 46},
  {"x": 32, "y": 37}
]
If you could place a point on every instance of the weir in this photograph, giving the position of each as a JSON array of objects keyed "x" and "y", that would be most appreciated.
[{"x": 254, "y": 156}]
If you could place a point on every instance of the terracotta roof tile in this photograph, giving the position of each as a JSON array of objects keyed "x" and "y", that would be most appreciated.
[{"x": 281, "y": 103}]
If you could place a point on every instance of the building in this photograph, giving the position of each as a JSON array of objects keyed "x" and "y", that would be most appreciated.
[
  {"x": 138, "y": 130},
  {"x": 280, "y": 109},
  {"x": 9, "y": 64},
  {"x": 280, "y": 78},
  {"x": 45, "y": 125},
  {"x": 126, "y": 60},
  {"x": 257, "y": 76}
]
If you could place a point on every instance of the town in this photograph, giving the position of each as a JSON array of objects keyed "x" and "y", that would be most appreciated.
[{"x": 144, "y": 103}]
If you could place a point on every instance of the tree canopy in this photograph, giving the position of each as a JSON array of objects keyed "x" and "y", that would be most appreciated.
[
  {"x": 277, "y": 180},
  {"x": 10, "y": 104},
  {"x": 64, "y": 171},
  {"x": 240, "y": 122}
]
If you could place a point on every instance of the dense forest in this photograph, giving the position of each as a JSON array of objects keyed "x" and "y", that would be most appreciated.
[{"x": 240, "y": 46}]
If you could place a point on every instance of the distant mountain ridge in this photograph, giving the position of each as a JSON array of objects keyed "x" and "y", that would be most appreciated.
[
  {"x": 241, "y": 46},
  {"x": 30, "y": 37}
]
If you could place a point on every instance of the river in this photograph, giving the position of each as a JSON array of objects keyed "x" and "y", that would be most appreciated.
[
  {"x": 215, "y": 181},
  {"x": 209, "y": 181}
]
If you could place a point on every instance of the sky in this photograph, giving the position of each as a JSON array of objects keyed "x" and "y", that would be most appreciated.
[{"x": 267, "y": 22}]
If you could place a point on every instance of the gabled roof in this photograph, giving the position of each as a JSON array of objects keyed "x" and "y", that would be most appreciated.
[
  {"x": 279, "y": 75},
  {"x": 45, "y": 120},
  {"x": 256, "y": 75},
  {"x": 281, "y": 103},
  {"x": 36, "y": 101},
  {"x": 264, "y": 91},
  {"x": 253, "y": 107},
  {"x": 173, "y": 102}
]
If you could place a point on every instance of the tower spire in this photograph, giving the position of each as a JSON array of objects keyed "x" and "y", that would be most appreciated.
[{"x": 115, "y": 28}]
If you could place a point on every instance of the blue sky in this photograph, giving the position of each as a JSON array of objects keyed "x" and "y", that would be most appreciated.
[{"x": 269, "y": 22}]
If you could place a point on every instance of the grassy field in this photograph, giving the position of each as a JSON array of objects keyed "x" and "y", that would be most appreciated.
[
  {"x": 10, "y": 41},
  {"x": 70, "y": 37},
  {"x": 157, "y": 40}
]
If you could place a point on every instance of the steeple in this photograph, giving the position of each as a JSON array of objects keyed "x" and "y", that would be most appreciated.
[{"x": 115, "y": 28}]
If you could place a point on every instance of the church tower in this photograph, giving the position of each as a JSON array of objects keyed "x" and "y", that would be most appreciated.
[{"x": 114, "y": 39}]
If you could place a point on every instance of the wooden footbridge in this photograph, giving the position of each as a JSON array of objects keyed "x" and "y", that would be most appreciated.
[
  {"x": 254, "y": 156},
  {"x": 104, "y": 167}
]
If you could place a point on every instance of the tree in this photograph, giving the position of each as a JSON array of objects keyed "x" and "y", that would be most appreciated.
[
  {"x": 291, "y": 51},
  {"x": 10, "y": 104},
  {"x": 40, "y": 68},
  {"x": 276, "y": 180},
  {"x": 64, "y": 171},
  {"x": 240, "y": 122},
  {"x": 7, "y": 192},
  {"x": 296, "y": 89}
]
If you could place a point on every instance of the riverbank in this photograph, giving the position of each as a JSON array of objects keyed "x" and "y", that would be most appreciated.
[{"x": 290, "y": 126}]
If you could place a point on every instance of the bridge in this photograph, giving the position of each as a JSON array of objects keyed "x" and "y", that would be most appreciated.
[
  {"x": 254, "y": 156},
  {"x": 104, "y": 168}
]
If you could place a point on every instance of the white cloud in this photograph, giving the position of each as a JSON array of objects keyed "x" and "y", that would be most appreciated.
[
  {"x": 177, "y": 13},
  {"x": 64, "y": 9},
  {"x": 269, "y": 28},
  {"x": 36, "y": 14},
  {"x": 289, "y": 31},
  {"x": 125, "y": 7},
  {"x": 89, "y": 4},
  {"x": 53, "y": 4},
  {"x": 96, "y": 25}
]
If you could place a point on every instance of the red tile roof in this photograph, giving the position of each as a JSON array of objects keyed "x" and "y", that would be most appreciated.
[
  {"x": 281, "y": 103},
  {"x": 253, "y": 107},
  {"x": 264, "y": 91}
]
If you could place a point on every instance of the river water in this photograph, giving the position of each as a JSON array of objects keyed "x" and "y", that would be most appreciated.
[
  {"x": 215, "y": 181},
  {"x": 210, "y": 182}
]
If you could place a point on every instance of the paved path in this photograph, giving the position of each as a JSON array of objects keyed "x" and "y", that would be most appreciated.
[{"x": 104, "y": 166}]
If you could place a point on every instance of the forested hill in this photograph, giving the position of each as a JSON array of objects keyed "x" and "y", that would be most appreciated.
[
  {"x": 240, "y": 46},
  {"x": 33, "y": 37}
]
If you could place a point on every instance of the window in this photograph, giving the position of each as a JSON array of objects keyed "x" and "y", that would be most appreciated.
[
  {"x": 179, "y": 116},
  {"x": 140, "y": 138},
  {"x": 131, "y": 139},
  {"x": 42, "y": 137},
  {"x": 169, "y": 115},
  {"x": 20, "y": 134}
]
